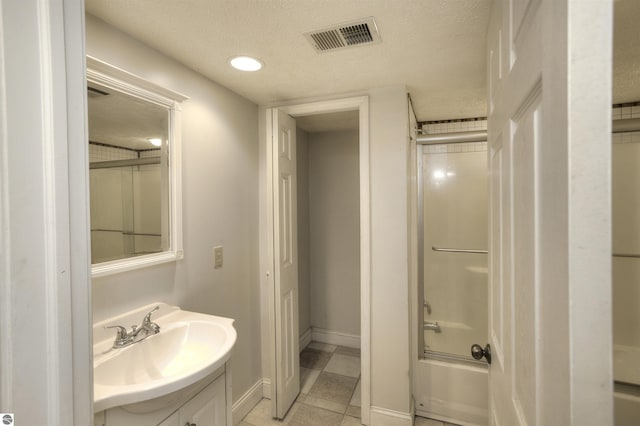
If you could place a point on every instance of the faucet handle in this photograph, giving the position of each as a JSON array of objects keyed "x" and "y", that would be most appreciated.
[
  {"x": 121, "y": 335},
  {"x": 147, "y": 318}
]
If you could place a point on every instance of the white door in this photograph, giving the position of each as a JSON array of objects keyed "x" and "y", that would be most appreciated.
[
  {"x": 287, "y": 374},
  {"x": 549, "y": 265}
]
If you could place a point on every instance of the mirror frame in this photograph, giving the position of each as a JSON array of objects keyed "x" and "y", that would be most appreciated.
[{"x": 123, "y": 81}]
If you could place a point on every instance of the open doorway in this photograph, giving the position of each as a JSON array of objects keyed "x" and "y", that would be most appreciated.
[
  {"x": 329, "y": 260},
  {"x": 333, "y": 275}
]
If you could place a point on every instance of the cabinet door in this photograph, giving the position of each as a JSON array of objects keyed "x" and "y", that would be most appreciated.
[
  {"x": 98, "y": 419},
  {"x": 207, "y": 408},
  {"x": 173, "y": 420}
]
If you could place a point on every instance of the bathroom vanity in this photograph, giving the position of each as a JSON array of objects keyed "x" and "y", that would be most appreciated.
[
  {"x": 207, "y": 403},
  {"x": 178, "y": 376}
]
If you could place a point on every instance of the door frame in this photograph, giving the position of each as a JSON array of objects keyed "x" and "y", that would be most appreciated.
[
  {"x": 361, "y": 104},
  {"x": 45, "y": 284}
]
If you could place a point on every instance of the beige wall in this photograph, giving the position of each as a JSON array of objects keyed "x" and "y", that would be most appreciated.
[
  {"x": 329, "y": 231},
  {"x": 334, "y": 231},
  {"x": 220, "y": 205},
  {"x": 390, "y": 356}
]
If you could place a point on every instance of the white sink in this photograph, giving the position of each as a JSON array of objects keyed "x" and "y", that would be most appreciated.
[{"x": 189, "y": 347}]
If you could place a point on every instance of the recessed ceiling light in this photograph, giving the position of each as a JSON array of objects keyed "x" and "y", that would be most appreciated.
[
  {"x": 155, "y": 141},
  {"x": 245, "y": 63}
]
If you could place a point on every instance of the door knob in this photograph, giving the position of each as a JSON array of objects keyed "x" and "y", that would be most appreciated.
[{"x": 477, "y": 352}]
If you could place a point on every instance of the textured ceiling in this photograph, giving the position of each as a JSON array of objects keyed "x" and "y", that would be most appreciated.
[
  {"x": 433, "y": 47},
  {"x": 121, "y": 120},
  {"x": 436, "y": 48}
]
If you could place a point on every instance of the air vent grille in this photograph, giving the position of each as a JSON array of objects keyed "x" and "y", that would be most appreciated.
[
  {"x": 357, "y": 34},
  {"x": 361, "y": 32},
  {"x": 328, "y": 40}
]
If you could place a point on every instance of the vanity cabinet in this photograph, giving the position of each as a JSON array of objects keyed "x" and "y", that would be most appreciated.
[
  {"x": 205, "y": 409},
  {"x": 205, "y": 403},
  {"x": 178, "y": 376}
]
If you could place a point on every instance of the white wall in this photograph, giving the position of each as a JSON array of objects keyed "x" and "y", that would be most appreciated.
[
  {"x": 390, "y": 360},
  {"x": 220, "y": 204},
  {"x": 334, "y": 231}
]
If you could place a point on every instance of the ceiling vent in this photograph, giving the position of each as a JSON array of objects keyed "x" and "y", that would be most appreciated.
[{"x": 361, "y": 32}]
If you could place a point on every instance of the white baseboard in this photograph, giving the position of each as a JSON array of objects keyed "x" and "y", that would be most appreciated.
[
  {"x": 247, "y": 401},
  {"x": 335, "y": 337},
  {"x": 305, "y": 339},
  {"x": 266, "y": 388},
  {"x": 385, "y": 417}
]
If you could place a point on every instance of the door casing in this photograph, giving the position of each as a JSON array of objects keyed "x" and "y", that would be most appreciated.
[{"x": 360, "y": 103}]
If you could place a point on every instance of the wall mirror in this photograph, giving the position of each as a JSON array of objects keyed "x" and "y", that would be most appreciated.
[{"x": 134, "y": 170}]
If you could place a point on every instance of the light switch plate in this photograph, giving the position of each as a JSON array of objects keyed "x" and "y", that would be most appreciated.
[{"x": 217, "y": 257}]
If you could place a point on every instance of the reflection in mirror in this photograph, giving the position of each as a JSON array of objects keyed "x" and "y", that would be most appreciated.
[
  {"x": 127, "y": 148},
  {"x": 134, "y": 170}
]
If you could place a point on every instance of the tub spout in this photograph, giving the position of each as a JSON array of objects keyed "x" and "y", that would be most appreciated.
[{"x": 433, "y": 326}]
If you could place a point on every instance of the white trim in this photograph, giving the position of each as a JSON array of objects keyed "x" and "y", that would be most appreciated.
[
  {"x": 305, "y": 339},
  {"x": 266, "y": 388},
  {"x": 6, "y": 360},
  {"x": 123, "y": 80},
  {"x": 332, "y": 337},
  {"x": 324, "y": 107},
  {"x": 247, "y": 401},
  {"x": 50, "y": 168},
  {"x": 385, "y": 417},
  {"x": 113, "y": 77},
  {"x": 79, "y": 222},
  {"x": 270, "y": 383},
  {"x": 360, "y": 103},
  {"x": 122, "y": 265},
  {"x": 365, "y": 261}
]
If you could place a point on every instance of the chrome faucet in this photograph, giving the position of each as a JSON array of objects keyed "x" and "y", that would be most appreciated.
[{"x": 137, "y": 334}]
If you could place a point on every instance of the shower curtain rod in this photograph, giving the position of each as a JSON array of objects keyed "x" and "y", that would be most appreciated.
[
  {"x": 447, "y": 138},
  {"x": 617, "y": 126}
]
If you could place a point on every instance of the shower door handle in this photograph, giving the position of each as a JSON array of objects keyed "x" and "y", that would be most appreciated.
[{"x": 477, "y": 352}]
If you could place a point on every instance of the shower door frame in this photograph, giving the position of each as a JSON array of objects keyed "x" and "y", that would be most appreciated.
[
  {"x": 450, "y": 139},
  {"x": 456, "y": 368}
]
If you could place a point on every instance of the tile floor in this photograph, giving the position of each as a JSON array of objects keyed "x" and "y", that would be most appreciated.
[{"x": 329, "y": 391}]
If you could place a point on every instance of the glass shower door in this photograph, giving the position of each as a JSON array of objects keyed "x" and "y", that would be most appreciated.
[
  {"x": 626, "y": 258},
  {"x": 455, "y": 231}
]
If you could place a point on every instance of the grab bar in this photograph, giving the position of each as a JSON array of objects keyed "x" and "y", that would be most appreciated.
[
  {"x": 433, "y": 326},
  {"x": 626, "y": 255},
  {"x": 455, "y": 250}
]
